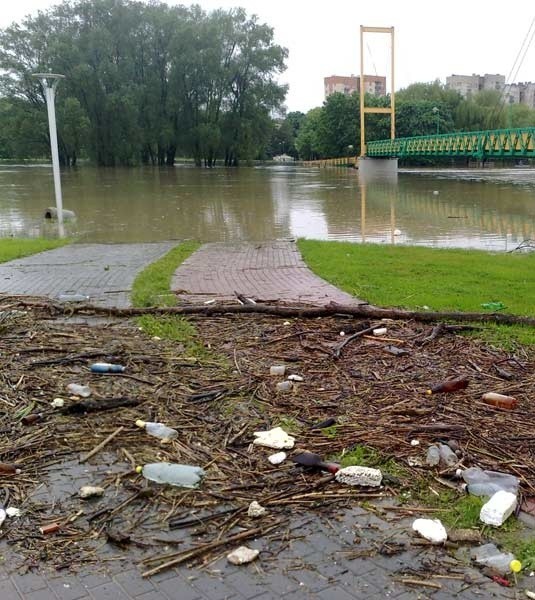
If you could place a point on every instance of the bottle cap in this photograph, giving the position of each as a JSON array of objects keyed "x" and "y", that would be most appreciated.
[
  {"x": 515, "y": 566},
  {"x": 140, "y": 423},
  {"x": 428, "y": 392},
  {"x": 139, "y": 469}
]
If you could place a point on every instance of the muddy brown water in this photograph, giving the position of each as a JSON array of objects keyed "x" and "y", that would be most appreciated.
[{"x": 491, "y": 209}]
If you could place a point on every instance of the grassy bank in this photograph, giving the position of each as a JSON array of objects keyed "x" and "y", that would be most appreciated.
[
  {"x": 152, "y": 287},
  {"x": 441, "y": 279},
  {"x": 12, "y": 248}
]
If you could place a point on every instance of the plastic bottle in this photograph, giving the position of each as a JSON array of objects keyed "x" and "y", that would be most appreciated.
[
  {"x": 498, "y": 509},
  {"x": 452, "y": 385},
  {"x": 73, "y": 298},
  {"x": 79, "y": 390},
  {"x": 488, "y": 555},
  {"x": 9, "y": 469},
  {"x": 158, "y": 430},
  {"x": 433, "y": 456},
  {"x": 487, "y": 483},
  {"x": 277, "y": 369},
  {"x": 173, "y": 474},
  {"x": 31, "y": 419},
  {"x": 499, "y": 400},
  {"x": 102, "y": 367},
  {"x": 447, "y": 456}
]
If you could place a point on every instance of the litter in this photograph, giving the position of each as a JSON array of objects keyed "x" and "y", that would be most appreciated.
[
  {"x": 499, "y": 400},
  {"x": 488, "y": 555},
  {"x": 13, "y": 512},
  {"x": 431, "y": 529},
  {"x": 275, "y": 438},
  {"x": 278, "y": 458},
  {"x": 57, "y": 403},
  {"x": 355, "y": 475},
  {"x": 277, "y": 369},
  {"x": 102, "y": 367},
  {"x": 295, "y": 378},
  {"x": 255, "y": 510},
  {"x": 380, "y": 331},
  {"x": 498, "y": 509},
  {"x": 185, "y": 476},
  {"x": 90, "y": 491},
  {"x": 158, "y": 430},
  {"x": 493, "y": 305},
  {"x": 487, "y": 483},
  {"x": 242, "y": 555},
  {"x": 79, "y": 390},
  {"x": 284, "y": 386}
]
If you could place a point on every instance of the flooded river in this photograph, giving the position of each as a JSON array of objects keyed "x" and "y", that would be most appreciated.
[{"x": 492, "y": 209}]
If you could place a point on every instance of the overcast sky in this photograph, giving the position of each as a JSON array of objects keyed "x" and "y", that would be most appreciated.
[{"x": 433, "y": 39}]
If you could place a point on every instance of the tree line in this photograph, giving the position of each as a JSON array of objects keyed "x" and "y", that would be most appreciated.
[
  {"x": 147, "y": 83},
  {"x": 144, "y": 83},
  {"x": 333, "y": 130}
]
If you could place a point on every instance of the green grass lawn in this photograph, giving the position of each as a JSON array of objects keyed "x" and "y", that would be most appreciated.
[
  {"x": 11, "y": 248},
  {"x": 152, "y": 287},
  {"x": 441, "y": 279}
]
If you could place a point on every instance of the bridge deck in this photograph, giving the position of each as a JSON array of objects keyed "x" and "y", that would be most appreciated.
[{"x": 500, "y": 143}]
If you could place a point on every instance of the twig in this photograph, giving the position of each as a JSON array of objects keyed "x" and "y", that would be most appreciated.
[{"x": 99, "y": 447}]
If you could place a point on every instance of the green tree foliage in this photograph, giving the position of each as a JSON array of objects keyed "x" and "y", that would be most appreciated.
[{"x": 145, "y": 81}]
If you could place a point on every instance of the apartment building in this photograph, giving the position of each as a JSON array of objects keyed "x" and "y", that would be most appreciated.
[
  {"x": 373, "y": 84},
  {"x": 468, "y": 85}
]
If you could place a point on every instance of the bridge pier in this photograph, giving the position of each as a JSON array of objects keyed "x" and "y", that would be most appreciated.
[{"x": 377, "y": 168}]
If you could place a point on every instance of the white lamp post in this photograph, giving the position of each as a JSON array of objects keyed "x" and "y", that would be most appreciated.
[{"x": 50, "y": 81}]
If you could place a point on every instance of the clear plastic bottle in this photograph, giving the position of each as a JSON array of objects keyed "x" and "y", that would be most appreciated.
[
  {"x": 73, "y": 298},
  {"x": 173, "y": 474},
  {"x": 433, "y": 456},
  {"x": 488, "y": 555},
  {"x": 158, "y": 430},
  {"x": 79, "y": 390},
  {"x": 487, "y": 483},
  {"x": 447, "y": 455}
]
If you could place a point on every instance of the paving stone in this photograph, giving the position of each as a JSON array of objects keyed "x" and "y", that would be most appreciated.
[
  {"x": 8, "y": 591},
  {"x": 133, "y": 584},
  {"x": 215, "y": 589},
  {"x": 79, "y": 268},
  {"x": 68, "y": 588},
  {"x": 45, "y": 594},
  {"x": 30, "y": 582},
  {"x": 268, "y": 270},
  {"x": 109, "y": 591},
  {"x": 177, "y": 588}
]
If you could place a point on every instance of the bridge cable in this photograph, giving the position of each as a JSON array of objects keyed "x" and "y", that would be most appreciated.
[{"x": 524, "y": 47}]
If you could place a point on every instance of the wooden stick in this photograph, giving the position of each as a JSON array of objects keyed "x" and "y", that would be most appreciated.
[
  {"x": 421, "y": 582},
  {"x": 99, "y": 447},
  {"x": 184, "y": 556}
]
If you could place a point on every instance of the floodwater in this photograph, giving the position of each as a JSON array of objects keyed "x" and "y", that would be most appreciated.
[{"x": 492, "y": 209}]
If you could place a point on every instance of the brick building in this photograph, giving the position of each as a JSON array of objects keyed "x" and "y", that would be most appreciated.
[{"x": 373, "y": 84}]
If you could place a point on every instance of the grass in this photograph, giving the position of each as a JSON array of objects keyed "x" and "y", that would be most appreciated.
[
  {"x": 152, "y": 286},
  {"x": 439, "y": 279},
  {"x": 12, "y": 248}
]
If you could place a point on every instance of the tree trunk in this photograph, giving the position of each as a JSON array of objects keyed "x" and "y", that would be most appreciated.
[{"x": 304, "y": 312}]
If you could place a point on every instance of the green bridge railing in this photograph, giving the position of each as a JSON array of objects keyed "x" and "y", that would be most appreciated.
[{"x": 500, "y": 143}]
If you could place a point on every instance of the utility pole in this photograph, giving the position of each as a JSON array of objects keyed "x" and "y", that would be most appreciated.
[{"x": 50, "y": 81}]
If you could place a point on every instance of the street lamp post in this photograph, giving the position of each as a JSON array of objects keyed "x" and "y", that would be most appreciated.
[
  {"x": 437, "y": 113},
  {"x": 50, "y": 81}
]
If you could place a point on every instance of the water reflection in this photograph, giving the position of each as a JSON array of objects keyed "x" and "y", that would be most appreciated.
[{"x": 477, "y": 209}]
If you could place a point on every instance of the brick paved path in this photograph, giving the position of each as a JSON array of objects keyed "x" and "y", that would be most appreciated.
[
  {"x": 104, "y": 272},
  {"x": 266, "y": 270}
]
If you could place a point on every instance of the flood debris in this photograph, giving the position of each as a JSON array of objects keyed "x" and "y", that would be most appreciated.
[
  {"x": 431, "y": 529},
  {"x": 242, "y": 555},
  {"x": 219, "y": 396}
]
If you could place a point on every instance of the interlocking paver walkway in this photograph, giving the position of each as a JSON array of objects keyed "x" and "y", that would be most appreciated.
[
  {"x": 265, "y": 270},
  {"x": 104, "y": 272}
]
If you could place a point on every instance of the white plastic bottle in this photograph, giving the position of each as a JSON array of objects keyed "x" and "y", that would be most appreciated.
[
  {"x": 79, "y": 390},
  {"x": 179, "y": 475},
  {"x": 158, "y": 430}
]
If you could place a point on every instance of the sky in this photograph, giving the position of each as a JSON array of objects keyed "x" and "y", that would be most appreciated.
[{"x": 432, "y": 39}]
